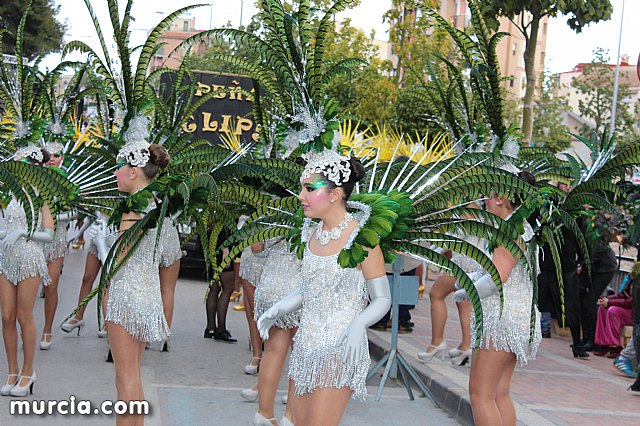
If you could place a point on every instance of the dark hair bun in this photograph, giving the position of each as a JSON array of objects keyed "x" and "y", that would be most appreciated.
[
  {"x": 527, "y": 177},
  {"x": 357, "y": 170},
  {"x": 46, "y": 156},
  {"x": 158, "y": 155}
]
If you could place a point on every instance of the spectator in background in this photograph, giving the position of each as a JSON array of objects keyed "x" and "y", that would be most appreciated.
[{"x": 614, "y": 312}]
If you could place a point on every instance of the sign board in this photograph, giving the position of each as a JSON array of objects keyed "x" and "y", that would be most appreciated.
[
  {"x": 228, "y": 112},
  {"x": 408, "y": 289}
]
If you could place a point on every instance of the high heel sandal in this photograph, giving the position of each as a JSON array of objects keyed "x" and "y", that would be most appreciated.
[
  {"x": 6, "y": 388},
  {"x": 78, "y": 244},
  {"x": 72, "y": 324},
  {"x": 463, "y": 359},
  {"x": 249, "y": 394},
  {"x": 428, "y": 356},
  {"x": 239, "y": 307},
  {"x": 250, "y": 368},
  {"x": 260, "y": 420},
  {"x": 235, "y": 296},
  {"x": 44, "y": 344},
  {"x": 18, "y": 390},
  {"x": 421, "y": 289},
  {"x": 284, "y": 421}
]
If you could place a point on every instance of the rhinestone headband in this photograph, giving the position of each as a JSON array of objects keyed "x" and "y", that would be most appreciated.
[
  {"x": 54, "y": 147},
  {"x": 30, "y": 151},
  {"x": 330, "y": 164}
]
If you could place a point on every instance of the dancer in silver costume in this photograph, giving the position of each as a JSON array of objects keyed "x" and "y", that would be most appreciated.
[
  {"x": 330, "y": 357},
  {"x": 507, "y": 338},
  {"x": 54, "y": 253},
  {"x": 22, "y": 267},
  {"x": 169, "y": 269},
  {"x": 134, "y": 313},
  {"x": 280, "y": 276}
]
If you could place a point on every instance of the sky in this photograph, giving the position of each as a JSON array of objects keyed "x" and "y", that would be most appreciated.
[{"x": 564, "y": 49}]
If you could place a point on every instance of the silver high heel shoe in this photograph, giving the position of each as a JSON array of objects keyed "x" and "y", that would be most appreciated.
[
  {"x": 44, "y": 344},
  {"x": 72, "y": 324},
  {"x": 284, "y": 421},
  {"x": 6, "y": 388},
  {"x": 454, "y": 353},
  {"x": 250, "y": 368},
  {"x": 428, "y": 356},
  {"x": 463, "y": 359},
  {"x": 18, "y": 390},
  {"x": 260, "y": 420}
]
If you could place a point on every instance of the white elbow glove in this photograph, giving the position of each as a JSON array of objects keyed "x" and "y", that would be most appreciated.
[
  {"x": 484, "y": 286},
  {"x": 98, "y": 233},
  {"x": 356, "y": 332},
  {"x": 287, "y": 305},
  {"x": 44, "y": 236},
  {"x": 66, "y": 216}
]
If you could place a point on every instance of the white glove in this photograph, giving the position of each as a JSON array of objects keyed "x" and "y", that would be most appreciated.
[
  {"x": 356, "y": 332},
  {"x": 484, "y": 286},
  {"x": 98, "y": 233},
  {"x": 66, "y": 216},
  {"x": 44, "y": 236},
  {"x": 287, "y": 305}
]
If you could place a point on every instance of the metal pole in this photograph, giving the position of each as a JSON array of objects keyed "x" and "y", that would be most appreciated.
[
  {"x": 241, "y": 10},
  {"x": 614, "y": 101},
  {"x": 211, "y": 15}
]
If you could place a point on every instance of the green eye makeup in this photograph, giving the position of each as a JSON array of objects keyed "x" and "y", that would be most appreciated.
[{"x": 317, "y": 183}]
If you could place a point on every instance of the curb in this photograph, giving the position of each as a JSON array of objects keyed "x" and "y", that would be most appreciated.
[{"x": 451, "y": 398}]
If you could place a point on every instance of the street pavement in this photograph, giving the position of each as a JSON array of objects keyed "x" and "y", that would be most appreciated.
[{"x": 197, "y": 383}]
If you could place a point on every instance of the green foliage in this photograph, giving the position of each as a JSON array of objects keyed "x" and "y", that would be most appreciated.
[{"x": 548, "y": 129}]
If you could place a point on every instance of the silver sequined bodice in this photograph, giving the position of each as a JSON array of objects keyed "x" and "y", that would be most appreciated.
[
  {"x": 250, "y": 266},
  {"x": 170, "y": 243},
  {"x": 135, "y": 301},
  {"x": 511, "y": 331},
  {"x": 332, "y": 297},
  {"x": 58, "y": 247},
  {"x": 280, "y": 276},
  {"x": 24, "y": 259}
]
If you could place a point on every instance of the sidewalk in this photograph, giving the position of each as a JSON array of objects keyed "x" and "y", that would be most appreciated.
[
  {"x": 554, "y": 389},
  {"x": 197, "y": 383}
]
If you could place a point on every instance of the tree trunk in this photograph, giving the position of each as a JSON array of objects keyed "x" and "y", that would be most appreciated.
[{"x": 530, "y": 71}]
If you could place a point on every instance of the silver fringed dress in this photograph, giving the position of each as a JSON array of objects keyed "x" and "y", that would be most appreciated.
[
  {"x": 170, "y": 244},
  {"x": 250, "y": 266},
  {"x": 135, "y": 301},
  {"x": 332, "y": 297},
  {"x": 280, "y": 276},
  {"x": 24, "y": 259},
  {"x": 58, "y": 247},
  {"x": 511, "y": 331}
]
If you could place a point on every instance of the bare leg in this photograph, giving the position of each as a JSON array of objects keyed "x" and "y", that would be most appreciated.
[
  {"x": 168, "y": 280},
  {"x": 443, "y": 286},
  {"x": 27, "y": 292},
  {"x": 8, "y": 304},
  {"x": 326, "y": 406},
  {"x": 288, "y": 412},
  {"x": 491, "y": 370},
  {"x": 256, "y": 342},
  {"x": 273, "y": 358},
  {"x": 92, "y": 267},
  {"x": 127, "y": 357},
  {"x": 464, "y": 311},
  {"x": 51, "y": 295},
  {"x": 299, "y": 406}
]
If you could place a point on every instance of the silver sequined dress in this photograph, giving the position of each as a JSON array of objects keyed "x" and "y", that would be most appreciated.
[
  {"x": 250, "y": 266},
  {"x": 170, "y": 243},
  {"x": 511, "y": 331},
  {"x": 58, "y": 247},
  {"x": 332, "y": 297},
  {"x": 280, "y": 276},
  {"x": 135, "y": 301},
  {"x": 24, "y": 259}
]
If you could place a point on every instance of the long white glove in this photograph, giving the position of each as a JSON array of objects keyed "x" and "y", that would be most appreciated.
[
  {"x": 287, "y": 305},
  {"x": 484, "y": 285},
  {"x": 98, "y": 233},
  {"x": 356, "y": 332},
  {"x": 44, "y": 236},
  {"x": 66, "y": 216}
]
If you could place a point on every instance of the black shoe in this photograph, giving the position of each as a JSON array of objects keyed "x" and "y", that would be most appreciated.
[
  {"x": 379, "y": 327},
  {"x": 208, "y": 333},
  {"x": 589, "y": 347},
  {"x": 411, "y": 324},
  {"x": 546, "y": 335},
  {"x": 224, "y": 336},
  {"x": 579, "y": 353},
  {"x": 635, "y": 387},
  {"x": 404, "y": 328}
]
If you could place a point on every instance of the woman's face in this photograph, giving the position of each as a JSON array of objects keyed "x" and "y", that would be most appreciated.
[
  {"x": 55, "y": 160},
  {"x": 124, "y": 176},
  {"x": 316, "y": 197}
]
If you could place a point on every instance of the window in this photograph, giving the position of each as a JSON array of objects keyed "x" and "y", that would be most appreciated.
[
  {"x": 185, "y": 26},
  {"x": 511, "y": 81},
  {"x": 514, "y": 49}
]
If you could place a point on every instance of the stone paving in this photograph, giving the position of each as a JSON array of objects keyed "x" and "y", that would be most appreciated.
[{"x": 197, "y": 383}]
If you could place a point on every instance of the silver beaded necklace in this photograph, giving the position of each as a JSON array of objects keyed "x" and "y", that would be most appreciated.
[{"x": 334, "y": 233}]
